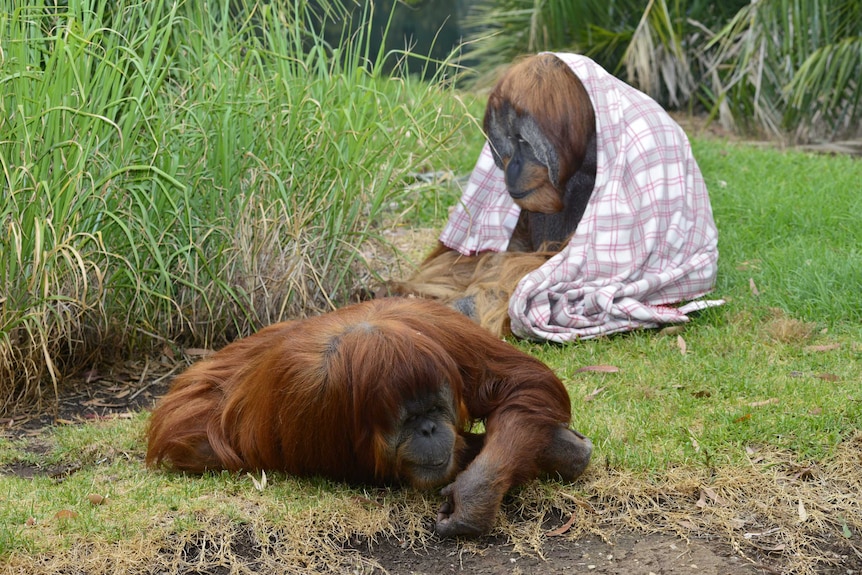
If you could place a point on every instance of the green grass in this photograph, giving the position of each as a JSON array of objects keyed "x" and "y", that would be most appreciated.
[
  {"x": 789, "y": 222},
  {"x": 734, "y": 387}
]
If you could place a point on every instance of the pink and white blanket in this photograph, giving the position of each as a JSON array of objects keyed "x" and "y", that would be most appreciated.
[{"x": 647, "y": 239}]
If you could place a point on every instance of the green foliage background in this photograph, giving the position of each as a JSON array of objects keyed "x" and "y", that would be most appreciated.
[{"x": 186, "y": 172}]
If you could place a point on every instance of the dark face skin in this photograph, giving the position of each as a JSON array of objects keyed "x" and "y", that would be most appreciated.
[
  {"x": 527, "y": 158},
  {"x": 551, "y": 209},
  {"x": 426, "y": 440}
]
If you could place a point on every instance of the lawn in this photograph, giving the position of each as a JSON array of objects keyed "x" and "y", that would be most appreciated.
[{"x": 744, "y": 422}]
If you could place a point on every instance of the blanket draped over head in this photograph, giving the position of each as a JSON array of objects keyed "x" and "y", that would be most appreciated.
[{"x": 647, "y": 239}]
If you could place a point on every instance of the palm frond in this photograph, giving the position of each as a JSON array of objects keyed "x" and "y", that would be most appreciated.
[
  {"x": 500, "y": 30},
  {"x": 784, "y": 68},
  {"x": 824, "y": 95},
  {"x": 655, "y": 60}
]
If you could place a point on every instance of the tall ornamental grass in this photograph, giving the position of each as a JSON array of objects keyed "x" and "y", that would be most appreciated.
[{"x": 185, "y": 172}]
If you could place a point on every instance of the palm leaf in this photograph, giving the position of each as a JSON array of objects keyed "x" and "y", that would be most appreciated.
[
  {"x": 655, "y": 60},
  {"x": 825, "y": 92}
]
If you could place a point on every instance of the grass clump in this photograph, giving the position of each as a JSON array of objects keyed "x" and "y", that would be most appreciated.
[{"x": 186, "y": 172}]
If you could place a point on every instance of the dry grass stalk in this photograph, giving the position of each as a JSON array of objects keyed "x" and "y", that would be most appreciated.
[{"x": 756, "y": 509}]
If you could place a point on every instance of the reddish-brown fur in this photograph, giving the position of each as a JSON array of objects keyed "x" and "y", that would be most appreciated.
[
  {"x": 541, "y": 88},
  {"x": 322, "y": 396}
]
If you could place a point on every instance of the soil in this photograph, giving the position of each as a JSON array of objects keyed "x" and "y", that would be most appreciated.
[
  {"x": 117, "y": 392},
  {"x": 623, "y": 554}
]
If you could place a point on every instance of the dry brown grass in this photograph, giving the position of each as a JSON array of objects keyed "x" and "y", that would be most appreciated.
[
  {"x": 795, "y": 511},
  {"x": 790, "y": 516},
  {"x": 790, "y": 330}
]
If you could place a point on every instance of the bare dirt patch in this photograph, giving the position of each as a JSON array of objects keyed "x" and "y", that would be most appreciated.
[
  {"x": 97, "y": 395},
  {"x": 621, "y": 554}
]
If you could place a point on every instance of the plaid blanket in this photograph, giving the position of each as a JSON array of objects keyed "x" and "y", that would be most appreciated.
[{"x": 647, "y": 239}]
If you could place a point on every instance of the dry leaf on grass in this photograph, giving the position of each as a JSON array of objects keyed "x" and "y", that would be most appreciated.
[
  {"x": 769, "y": 401},
  {"x": 672, "y": 330},
  {"x": 598, "y": 368},
  {"x": 96, "y": 499},
  {"x": 803, "y": 514},
  {"x": 168, "y": 352},
  {"x": 593, "y": 394},
  {"x": 805, "y": 472},
  {"x": 818, "y": 348},
  {"x": 737, "y": 523},
  {"x": 680, "y": 343},
  {"x": 708, "y": 493},
  {"x": 695, "y": 444},
  {"x": 366, "y": 501},
  {"x": 198, "y": 352},
  {"x": 753, "y": 456},
  {"x": 754, "y": 291},
  {"x": 563, "y": 528}
]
